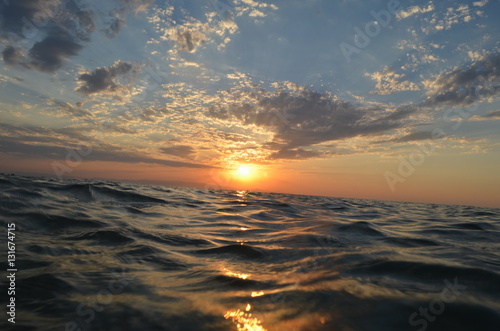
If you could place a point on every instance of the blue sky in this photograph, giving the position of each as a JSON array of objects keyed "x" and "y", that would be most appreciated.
[{"x": 283, "y": 85}]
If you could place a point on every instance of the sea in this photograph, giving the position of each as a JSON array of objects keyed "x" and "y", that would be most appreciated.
[{"x": 104, "y": 255}]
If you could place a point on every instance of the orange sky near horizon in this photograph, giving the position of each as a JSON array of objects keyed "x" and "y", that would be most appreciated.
[{"x": 435, "y": 183}]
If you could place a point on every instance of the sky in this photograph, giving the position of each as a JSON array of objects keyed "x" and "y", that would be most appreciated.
[{"x": 386, "y": 100}]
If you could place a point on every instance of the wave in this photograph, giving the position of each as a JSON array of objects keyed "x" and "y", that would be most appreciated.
[{"x": 100, "y": 255}]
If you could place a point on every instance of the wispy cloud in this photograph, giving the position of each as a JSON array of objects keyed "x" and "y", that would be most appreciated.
[
  {"x": 38, "y": 142},
  {"x": 494, "y": 115}
]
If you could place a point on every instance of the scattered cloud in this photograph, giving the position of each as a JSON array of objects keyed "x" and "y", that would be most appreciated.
[
  {"x": 102, "y": 80},
  {"x": 414, "y": 10},
  {"x": 187, "y": 39},
  {"x": 388, "y": 82},
  {"x": 480, "y": 3},
  {"x": 448, "y": 17}
]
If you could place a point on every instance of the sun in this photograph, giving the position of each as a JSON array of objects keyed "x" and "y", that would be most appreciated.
[{"x": 244, "y": 172}]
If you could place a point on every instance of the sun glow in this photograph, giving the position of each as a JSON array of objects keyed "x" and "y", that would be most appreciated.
[{"x": 245, "y": 172}]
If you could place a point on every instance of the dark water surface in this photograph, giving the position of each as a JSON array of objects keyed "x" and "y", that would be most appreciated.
[{"x": 97, "y": 255}]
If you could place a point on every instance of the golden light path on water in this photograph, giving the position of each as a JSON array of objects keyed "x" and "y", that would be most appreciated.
[{"x": 244, "y": 320}]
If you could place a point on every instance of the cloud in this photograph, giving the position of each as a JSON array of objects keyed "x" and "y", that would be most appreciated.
[
  {"x": 114, "y": 27},
  {"x": 180, "y": 151},
  {"x": 12, "y": 55},
  {"x": 43, "y": 34},
  {"x": 466, "y": 85},
  {"x": 14, "y": 14},
  {"x": 446, "y": 18},
  {"x": 494, "y": 115},
  {"x": 68, "y": 109},
  {"x": 480, "y": 3},
  {"x": 188, "y": 40},
  {"x": 137, "y": 5},
  {"x": 300, "y": 118},
  {"x": 415, "y": 10},
  {"x": 103, "y": 79},
  {"x": 37, "y": 142},
  {"x": 47, "y": 32},
  {"x": 46, "y": 55},
  {"x": 388, "y": 82},
  {"x": 414, "y": 136},
  {"x": 50, "y": 54},
  {"x": 294, "y": 154},
  {"x": 189, "y": 33},
  {"x": 116, "y": 22}
]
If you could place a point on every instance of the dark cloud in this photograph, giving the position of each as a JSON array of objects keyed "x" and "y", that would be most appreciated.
[
  {"x": 296, "y": 154},
  {"x": 65, "y": 26},
  {"x": 181, "y": 151},
  {"x": 464, "y": 86},
  {"x": 493, "y": 114},
  {"x": 189, "y": 40},
  {"x": 50, "y": 54},
  {"x": 82, "y": 23},
  {"x": 103, "y": 79},
  {"x": 14, "y": 14},
  {"x": 304, "y": 118},
  {"x": 114, "y": 27},
  {"x": 12, "y": 56}
]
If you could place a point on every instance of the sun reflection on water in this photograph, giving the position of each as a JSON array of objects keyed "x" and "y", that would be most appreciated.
[
  {"x": 244, "y": 320},
  {"x": 234, "y": 274}
]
